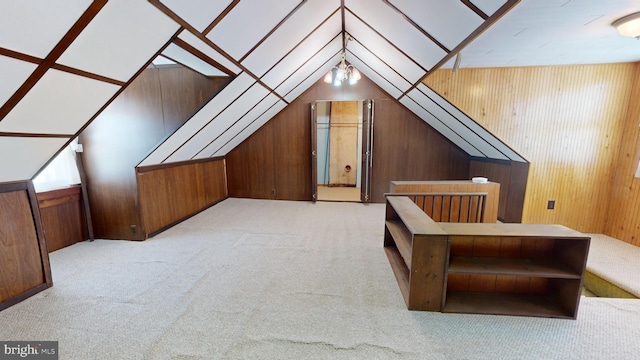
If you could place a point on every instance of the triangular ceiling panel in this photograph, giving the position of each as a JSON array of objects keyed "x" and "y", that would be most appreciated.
[{"x": 69, "y": 60}]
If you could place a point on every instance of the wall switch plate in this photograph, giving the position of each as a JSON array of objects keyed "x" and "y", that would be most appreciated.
[{"x": 551, "y": 204}]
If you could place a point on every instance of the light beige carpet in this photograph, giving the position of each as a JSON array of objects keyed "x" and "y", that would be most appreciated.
[{"x": 253, "y": 279}]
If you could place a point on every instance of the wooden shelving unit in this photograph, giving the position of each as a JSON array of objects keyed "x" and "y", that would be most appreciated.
[{"x": 501, "y": 269}]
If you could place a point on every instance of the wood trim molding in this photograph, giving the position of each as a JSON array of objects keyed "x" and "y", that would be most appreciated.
[
  {"x": 414, "y": 24},
  {"x": 147, "y": 168},
  {"x": 274, "y": 30},
  {"x": 49, "y": 61},
  {"x": 475, "y": 9},
  {"x": 200, "y": 55},
  {"x": 221, "y": 16}
]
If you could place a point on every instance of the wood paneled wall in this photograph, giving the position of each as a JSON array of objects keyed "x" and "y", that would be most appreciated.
[
  {"x": 172, "y": 193},
  {"x": 24, "y": 259},
  {"x": 623, "y": 215},
  {"x": 62, "y": 217},
  {"x": 275, "y": 162},
  {"x": 150, "y": 108},
  {"x": 566, "y": 120},
  {"x": 512, "y": 176}
]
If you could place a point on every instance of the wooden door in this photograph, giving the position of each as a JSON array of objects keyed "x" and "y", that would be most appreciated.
[{"x": 367, "y": 150}]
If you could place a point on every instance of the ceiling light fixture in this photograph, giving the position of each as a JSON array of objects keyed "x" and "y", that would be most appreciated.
[
  {"x": 342, "y": 72},
  {"x": 629, "y": 25}
]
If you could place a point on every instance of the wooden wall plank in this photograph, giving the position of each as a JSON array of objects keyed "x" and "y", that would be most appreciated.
[
  {"x": 623, "y": 220},
  {"x": 172, "y": 194},
  {"x": 278, "y": 155},
  {"x": 150, "y": 108},
  {"x": 566, "y": 120},
  {"x": 62, "y": 217}
]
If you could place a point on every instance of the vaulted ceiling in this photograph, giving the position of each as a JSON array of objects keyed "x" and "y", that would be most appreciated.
[{"x": 62, "y": 62}]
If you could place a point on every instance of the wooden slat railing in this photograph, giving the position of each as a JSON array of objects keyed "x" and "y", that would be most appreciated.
[{"x": 461, "y": 207}]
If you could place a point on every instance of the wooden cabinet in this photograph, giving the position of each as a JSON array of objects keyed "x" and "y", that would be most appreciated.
[{"x": 502, "y": 269}]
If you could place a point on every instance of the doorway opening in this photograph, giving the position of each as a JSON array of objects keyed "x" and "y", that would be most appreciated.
[{"x": 341, "y": 137}]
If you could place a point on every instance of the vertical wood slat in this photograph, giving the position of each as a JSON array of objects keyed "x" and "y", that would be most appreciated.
[{"x": 567, "y": 121}]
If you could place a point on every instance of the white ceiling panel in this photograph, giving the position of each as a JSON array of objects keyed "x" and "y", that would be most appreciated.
[
  {"x": 234, "y": 89},
  {"x": 28, "y": 155},
  {"x": 249, "y": 22},
  {"x": 456, "y": 125},
  {"x": 191, "y": 61},
  {"x": 13, "y": 73},
  {"x": 489, "y": 7},
  {"x": 198, "y": 13},
  {"x": 390, "y": 74},
  {"x": 304, "y": 85},
  {"x": 208, "y": 50},
  {"x": 296, "y": 28},
  {"x": 161, "y": 60},
  {"x": 397, "y": 30},
  {"x": 319, "y": 60},
  {"x": 255, "y": 125},
  {"x": 220, "y": 123},
  {"x": 370, "y": 39},
  {"x": 469, "y": 123},
  {"x": 449, "y": 22},
  {"x": 441, "y": 128},
  {"x": 120, "y": 40},
  {"x": 237, "y": 127},
  {"x": 60, "y": 103},
  {"x": 303, "y": 52},
  {"x": 374, "y": 76},
  {"x": 36, "y": 28}
]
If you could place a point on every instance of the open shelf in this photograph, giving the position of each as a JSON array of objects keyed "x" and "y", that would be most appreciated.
[
  {"x": 510, "y": 266},
  {"x": 400, "y": 271},
  {"x": 402, "y": 238},
  {"x": 505, "y": 304}
]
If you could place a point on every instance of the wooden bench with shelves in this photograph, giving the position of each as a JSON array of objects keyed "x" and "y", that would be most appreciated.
[{"x": 501, "y": 269}]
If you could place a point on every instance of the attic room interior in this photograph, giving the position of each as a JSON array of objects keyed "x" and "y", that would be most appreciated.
[{"x": 267, "y": 179}]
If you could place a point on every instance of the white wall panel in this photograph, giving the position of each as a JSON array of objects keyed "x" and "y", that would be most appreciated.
[
  {"x": 35, "y": 27},
  {"x": 255, "y": 125},
  {"x": 248, "y": 23},
  {"x": 303, "y": 51},
  {"x": 208, "y": 50},
  {"x": 303, "y": 21},
  {"x": 449, "y": 22},
  {"x": 27, "y": 155},
  {"x": 13, "y": 74},
  {"x": 467, "y": 121},
  {"x": 375, "y": 77},
  {"x": 391, "y": 75},
  {"x": 60, "y": 103},
  {"x": 457, "y": 125},
  {"x": 318, "y": 74},
  {"x": 489, "y": 7},
  {"x": 319, "y": 60},
  {"x": 120, "y": 40},
  {"x": 220, "y": 123},
  {"x": 374, "y": 42},
  {"x": 238, "y": 127},
  {"x": 441, "y": 128},
  {"x": 230, "y": 92},
  {"x": 191, "y": 61},
  {"x": 397, "y": 30},
  {"x": 198, "y": 13}
]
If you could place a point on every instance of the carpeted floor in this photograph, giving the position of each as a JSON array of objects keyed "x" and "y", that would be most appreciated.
[{"x": 254, "y": 279}]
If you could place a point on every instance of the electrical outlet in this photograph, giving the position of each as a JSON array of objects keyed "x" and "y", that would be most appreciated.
[
  {"x": 551, "y": 204},
  {"x": 134, "y": 229}
]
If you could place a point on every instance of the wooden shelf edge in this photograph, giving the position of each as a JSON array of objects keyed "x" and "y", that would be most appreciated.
[
  {"x": 510, "y": 266},
  {"x": 504, "y": 304},
  {"x": 402, "y": 238},
  {"x": 400, "y": 271}
]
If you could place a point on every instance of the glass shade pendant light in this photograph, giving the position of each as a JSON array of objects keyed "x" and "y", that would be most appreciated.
[{"x": 342, "y": 72}]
